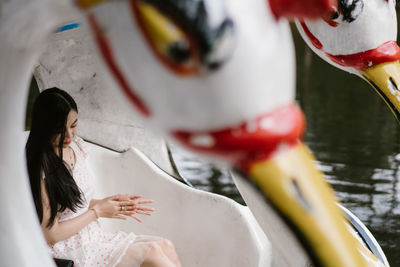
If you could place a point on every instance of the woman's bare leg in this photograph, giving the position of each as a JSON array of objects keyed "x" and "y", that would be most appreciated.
[
  {"x": 162, "y": 254},
  {"x": 151, "y": 252},
  {"x": 170, "y": 252}
]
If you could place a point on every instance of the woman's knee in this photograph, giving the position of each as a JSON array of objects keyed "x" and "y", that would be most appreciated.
[
  {"x": 155, "y": 255},
  {"x": 161, "y": 248},
  {"x": 166, "y": 244},
  {"x": 161, "y": 254},
  {"x": 156, "y": 250}
]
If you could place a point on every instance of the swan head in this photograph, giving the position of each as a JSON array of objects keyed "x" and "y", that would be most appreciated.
[
  {"x": 196, "y": 65},
  {"x": 360, "y": 37},
  {"x": 186, "y": 55}
]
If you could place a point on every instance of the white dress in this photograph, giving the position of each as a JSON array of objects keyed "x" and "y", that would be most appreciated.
[{"x": 92, "y": 246}]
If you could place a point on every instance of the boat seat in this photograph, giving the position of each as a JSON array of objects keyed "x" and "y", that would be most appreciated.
[{"x": 207, "y": 229}]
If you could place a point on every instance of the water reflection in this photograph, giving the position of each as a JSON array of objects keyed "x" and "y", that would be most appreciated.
[{"x": 355, "y": 138}]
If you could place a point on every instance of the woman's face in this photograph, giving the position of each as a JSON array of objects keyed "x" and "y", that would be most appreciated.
[{"x": 70, "y": 129}]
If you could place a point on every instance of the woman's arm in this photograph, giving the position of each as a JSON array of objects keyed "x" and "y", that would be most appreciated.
[
  {"x": 109, "y": 207},
  {"x": 93, "y": 202},
  {"x": 62, "y": 230}
]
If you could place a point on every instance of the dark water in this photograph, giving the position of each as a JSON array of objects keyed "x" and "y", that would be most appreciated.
[{"x": 355, "y": 138}]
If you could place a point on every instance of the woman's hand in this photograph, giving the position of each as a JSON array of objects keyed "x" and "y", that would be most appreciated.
[
  {"x": 132, "y": 204},
  {"x": 119, "y": 205},
  {"x": 108, "y": 207}
]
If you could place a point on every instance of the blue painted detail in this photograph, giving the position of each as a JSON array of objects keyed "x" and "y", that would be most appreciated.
[{"x": 68, "y": 26}]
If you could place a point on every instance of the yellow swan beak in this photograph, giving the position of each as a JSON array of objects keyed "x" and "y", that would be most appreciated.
[
  {"x": 298, "y": 191},
  {"x": 385, "y": 79}
]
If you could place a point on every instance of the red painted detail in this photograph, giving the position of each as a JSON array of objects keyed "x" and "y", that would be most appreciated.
[
  {"x": 180, "y": 69},
  {"x": 305, "y": 9},
  {"x": 106, "y": 52},
  {"x": 330, "y": 22},
  {"x": 249, "y": 142},
  {"x": 316, "y": 43},
  {"x": 386, "y": 52}
]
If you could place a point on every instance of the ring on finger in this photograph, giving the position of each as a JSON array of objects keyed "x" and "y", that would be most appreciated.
[{"x": 120, "y": 208}]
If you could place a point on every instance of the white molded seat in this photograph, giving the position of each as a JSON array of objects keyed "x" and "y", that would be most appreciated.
[{"x": 207, "y": 229}]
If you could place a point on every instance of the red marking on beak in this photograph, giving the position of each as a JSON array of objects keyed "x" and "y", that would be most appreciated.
[
  {"x": 386, "y": 52},
  {"x": 250, "y": 141},
  {"x": 305, "y": 9},
  {"x": 106, "y": 52}
]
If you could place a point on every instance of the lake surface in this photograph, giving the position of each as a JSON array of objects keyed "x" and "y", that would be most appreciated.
[{"x": 355, "y": 139}]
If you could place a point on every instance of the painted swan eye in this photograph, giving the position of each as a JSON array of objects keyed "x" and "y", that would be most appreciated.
[
  {"x": 347, "y": 11},
  {"x": 350, "y": 9},
  {"x": 187, "y": 36},
  {"x": 169, "y": 43}
]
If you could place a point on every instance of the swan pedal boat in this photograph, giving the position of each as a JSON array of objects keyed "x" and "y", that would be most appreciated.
[
  {"x": 207, "y": 229},
  {"x": 195, "y": 232}
]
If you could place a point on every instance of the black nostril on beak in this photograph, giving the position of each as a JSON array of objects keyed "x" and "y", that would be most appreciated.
[
  {"x": 394, "y": 85},
  {"x": 300, "y": 196},
  {"x": 179, "y": 52}
]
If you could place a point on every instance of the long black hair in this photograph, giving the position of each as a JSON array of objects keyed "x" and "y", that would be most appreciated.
[{"x": 49, "y": 118}]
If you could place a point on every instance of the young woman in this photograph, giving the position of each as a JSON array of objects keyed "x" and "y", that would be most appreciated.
[{"x": 62, "y": 190}]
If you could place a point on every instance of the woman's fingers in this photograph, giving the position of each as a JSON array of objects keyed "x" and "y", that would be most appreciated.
[
  {"x": 126, "y": 203},
  {"x": 135, "y": 202},
  {"x": 131, "y": 214},
  {"x": 144, "y": 201},
  {"x": 128, "y": 209},
  {"x": 124, "y": 197},
  {"x": 144, "y": 208},
  {"x": 137, "y": 208},
  {"x": 136, "y": 218},
  {"x": 143, "y": 212},
  {"x": 133, "y": 197}
]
